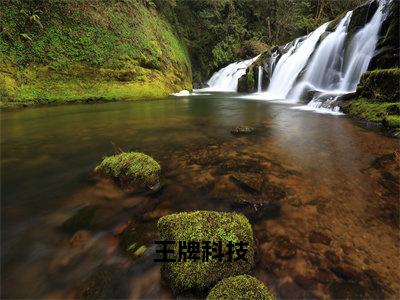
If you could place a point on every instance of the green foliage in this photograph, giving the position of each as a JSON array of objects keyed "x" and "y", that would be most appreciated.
[
  {"x": 242, "y": 287},
  {"x": 205, "y": 226},
  {"x": 218, "y": 31},
  {"x": 134, "y": 166}
]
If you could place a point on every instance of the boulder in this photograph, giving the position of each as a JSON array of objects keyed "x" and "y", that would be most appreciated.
[
  {"x": 243, "y": 287},
  {"x": 202, "y": 226},
  {"x": 132, "y": 171}
]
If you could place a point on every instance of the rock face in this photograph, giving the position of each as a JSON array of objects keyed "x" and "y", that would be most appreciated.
[
  {"x": 201, "y": 226},
  {"x": 132, "y": 171},
  {"x": 381, "y": 85},
  {"x": 248, "y": 82},
  {"x": 388, "y": 47},
  {"x": 243, "y": 287}
]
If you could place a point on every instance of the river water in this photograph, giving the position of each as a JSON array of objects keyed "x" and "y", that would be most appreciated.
[{"x": 334, "y": 181}]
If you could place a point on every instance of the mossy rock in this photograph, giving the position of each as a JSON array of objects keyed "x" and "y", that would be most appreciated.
[
  {"x": 392, "y": 121},
  {"x": 243, "y": 287},
  {"x": 372, "y": 111},
  {"x": 380, "y": 85},
  {"x": 131, "y": 170},
  {"x": 247, "y": 83},
  {"x": 202, "y": 226}
]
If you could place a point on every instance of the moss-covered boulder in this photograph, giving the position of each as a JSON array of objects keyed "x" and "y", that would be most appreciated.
[
  {"x": 381, "y": 85},
  {"x": 201, "y": 226},
  {"x": 131, "y": 170},
  {"x": 247, "y": 83},
  {"x": 243, "y": 287}
]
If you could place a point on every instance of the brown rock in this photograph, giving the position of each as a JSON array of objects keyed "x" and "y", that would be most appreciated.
[
  {"x": 346, "y": 272},
  {"x": 324, "y": 276},
  {"x": 319, "y": 238},
  {"x": 284, "y": 248},
  {"x": 120, "y": 228},
  {"x": 332, "y": 257},
  {"x": 347, "y": 290},
  {"x": 290, "y": 290},
  {"x": 80, "y": 238},
  {"x": 305, "y": 282}
]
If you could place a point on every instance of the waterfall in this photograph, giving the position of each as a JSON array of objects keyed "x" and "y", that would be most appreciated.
[
  {"x": 324, "y": 70},
  {"x": 291, "y": 63},
  {"x": 226, "y": 79},
  {"x": 259, "y": 83}
]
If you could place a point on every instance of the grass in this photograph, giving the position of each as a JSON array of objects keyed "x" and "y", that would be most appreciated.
[
  {"x": 242, "y": 287},
  {"x": 202, "y": 226}
]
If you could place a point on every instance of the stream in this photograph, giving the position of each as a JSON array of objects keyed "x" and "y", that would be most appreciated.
[{"x": 333, "y": 181}]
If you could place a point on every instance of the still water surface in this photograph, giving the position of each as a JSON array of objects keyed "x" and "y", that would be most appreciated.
[{"x": 333, "y": 174}]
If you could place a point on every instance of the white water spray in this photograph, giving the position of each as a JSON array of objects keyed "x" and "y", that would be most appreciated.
[
  {"x": 226, "y": 79},
  {"x": 259, "y": 81}
]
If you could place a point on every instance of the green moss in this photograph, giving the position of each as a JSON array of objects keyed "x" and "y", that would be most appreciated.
[
  {"x": 372, "y": 111},
  {"x": 392, "y": 121},
  {"x": 205, "y": 226},
  {"x": 243, "y": 287},
  {"x": 108, "y": 50},
  {"x": 246, "y": 83},
  {"x": 380, "y": 85},
  {"x": 131, "y": 168}
]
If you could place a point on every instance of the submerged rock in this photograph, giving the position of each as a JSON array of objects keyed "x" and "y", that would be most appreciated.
[
  {"x": 319, "y": 238},
  {"x": 284, "y": 248},
  {"x": 242, "y": 130},
  {"x": 257, "y": 210},
  {"x": 104, "y": 283},
  {"x": 132, "y": 171},
  {"x": 201, "y": 226},
  {"x": 243, "y": 287},
  {"x": 82, "y": 219}
]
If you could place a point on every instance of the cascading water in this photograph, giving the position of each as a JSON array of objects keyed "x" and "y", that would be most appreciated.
[
  {"x": 324, "y": 70},
  {"x": 259, "y": 81},
  {"x": 291, "y": 63},
  {"x": 226, "y": 79},
  {"x": 336, "y": 69}
]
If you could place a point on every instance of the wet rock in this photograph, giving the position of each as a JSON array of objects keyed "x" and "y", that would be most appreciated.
[
  {"x": 324, "y": 276},
  {"x": 290, "y": 290},
  {"x": 332, "y": 257},
  {"x": 319, "y": 238},
  {"x": 347, "y": 272},
  {"x": 296, "y": 203},
  {"x": 347, "y": 290},
  {"x": 120, "y": 228},
  {"x": 284, "y": 248},
  {"x": 204, "y": 226},
  {"x": 80, "y": 238},
  {"x": 251, "y": 187},
  {"x": 82, "y": 219},
  {"x": 104, "y": 283},
  {"x": 242, "y": 130},
  {"x": 305, "y": 282},
  {"x": 256, "y": 210},
  {"x": 242, "y": 287},
  {"x": 131, "y": 171}
]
